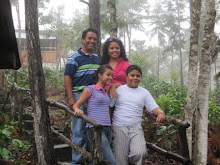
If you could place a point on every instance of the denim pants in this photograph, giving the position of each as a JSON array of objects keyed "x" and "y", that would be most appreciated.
[
  {"x": 78, "y": 134},
  {"x": 106, "y": 144}
]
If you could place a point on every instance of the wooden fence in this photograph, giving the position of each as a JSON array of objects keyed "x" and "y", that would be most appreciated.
[{"x": 22, "y": 98}]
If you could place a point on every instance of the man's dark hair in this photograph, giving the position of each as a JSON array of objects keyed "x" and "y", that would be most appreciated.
[
  {"x": 133, "y": 67},
  {"x": 88, "y": 30}
]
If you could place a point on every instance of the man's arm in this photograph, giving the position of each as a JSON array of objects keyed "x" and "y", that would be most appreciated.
[
  {"x": 160, "y": 114},
  {"x": 68, "y": 88}
]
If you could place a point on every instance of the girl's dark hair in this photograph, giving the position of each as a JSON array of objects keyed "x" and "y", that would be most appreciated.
[
  {"x": 101, "y": 70},
  {"x": 105, "y": 56},
  {"x": 84, "y": 33},
  {"x": 133, "y": 67}
]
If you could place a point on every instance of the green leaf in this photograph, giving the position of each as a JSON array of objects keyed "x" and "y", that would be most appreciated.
[
  {"x": 18, "y": 144},
  {"x": 5, "y": 153}
]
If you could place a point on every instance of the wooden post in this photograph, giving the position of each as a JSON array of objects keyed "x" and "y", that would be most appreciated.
[
  {"x": 96, "y": 144},
  {"x": 183, "y": 142}
]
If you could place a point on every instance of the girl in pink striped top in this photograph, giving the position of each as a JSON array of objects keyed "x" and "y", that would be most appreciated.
[{"x": 98, "y": 108}]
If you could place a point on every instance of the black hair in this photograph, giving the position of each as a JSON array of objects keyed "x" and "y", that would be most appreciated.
[
  {"x": 101, "y": 70},
  {"x": 88, "y": 30},
  {"x": 105, "y": 56},
  {"x": 133, "y": 67}
]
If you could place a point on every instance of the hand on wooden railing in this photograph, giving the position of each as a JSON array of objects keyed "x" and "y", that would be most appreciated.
[
  {"x": 170, "y": 119},
  {"x": 67, "y": 109}
]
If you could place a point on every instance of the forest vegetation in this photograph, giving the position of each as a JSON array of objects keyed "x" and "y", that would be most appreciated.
[{"x": 164, "y": 51}]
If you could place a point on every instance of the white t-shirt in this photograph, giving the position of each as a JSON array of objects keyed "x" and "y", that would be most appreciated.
[{"x": 129, "y": 105}]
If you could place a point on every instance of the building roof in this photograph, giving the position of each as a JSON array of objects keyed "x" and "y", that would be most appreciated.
[{"x": 9, "y": 55}]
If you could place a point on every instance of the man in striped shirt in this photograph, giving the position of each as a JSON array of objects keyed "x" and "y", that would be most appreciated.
[{"x": 78, "y": 74}]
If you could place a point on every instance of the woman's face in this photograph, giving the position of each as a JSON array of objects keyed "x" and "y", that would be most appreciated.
[
  {"x": 133, "y": 79},
  {"x": 114, "y": 50}
]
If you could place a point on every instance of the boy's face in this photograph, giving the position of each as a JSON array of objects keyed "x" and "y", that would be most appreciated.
[{"x": 133, "y": 79}]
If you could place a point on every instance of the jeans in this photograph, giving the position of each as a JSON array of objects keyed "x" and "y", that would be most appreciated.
[
  {"x": 78, "y": 134},
  {"x": 106, "y": 144}
]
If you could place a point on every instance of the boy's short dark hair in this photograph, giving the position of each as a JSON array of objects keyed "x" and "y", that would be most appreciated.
[
  {"x": 88, "y": 30},
  {"x": 133, "y": 67}
]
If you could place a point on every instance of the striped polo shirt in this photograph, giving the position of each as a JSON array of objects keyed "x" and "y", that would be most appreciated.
[
  {"x": 80, "y": 67},
  {"x": 98, "y": 105}
]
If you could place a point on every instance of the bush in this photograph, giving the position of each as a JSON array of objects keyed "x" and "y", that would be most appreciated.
[{"x": 7, "y": 140}]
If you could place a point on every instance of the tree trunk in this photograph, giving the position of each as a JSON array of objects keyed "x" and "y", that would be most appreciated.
[
  {"x": 113, "y": 25},
  {"x": 94, "y": 21},
  {"x": 128, "y": 31},
  {"x": 203, "y": 86},
  {"x": 180, "y": 51},
  {"x": 42, "y": 129},
  {"x": 158, "y": 60},
  {"x": 190, "y": 105}
]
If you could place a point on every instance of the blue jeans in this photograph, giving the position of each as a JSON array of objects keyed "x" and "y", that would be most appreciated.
[
  {"x": 106, "y": 144},
  {"x": 78, "y": 134}
]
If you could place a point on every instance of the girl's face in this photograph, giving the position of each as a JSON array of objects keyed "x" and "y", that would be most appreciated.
[
  {"x": 114, "y": 50},
  {"x": 133, "y": 79},
  {"x": 106, "y": 77}
]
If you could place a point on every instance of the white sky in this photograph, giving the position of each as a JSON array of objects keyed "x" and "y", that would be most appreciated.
[{"x": 71, "y": 6}]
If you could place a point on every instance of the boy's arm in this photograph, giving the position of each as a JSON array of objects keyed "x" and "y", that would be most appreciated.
[{"x": 160, "y": 114}]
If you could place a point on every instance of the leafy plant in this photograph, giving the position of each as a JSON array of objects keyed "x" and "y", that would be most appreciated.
[
  {"x": 214, "y": 112},
  {"x": 6, "y": 139}
]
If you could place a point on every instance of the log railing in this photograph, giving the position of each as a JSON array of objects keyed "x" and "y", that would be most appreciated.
[
  {"x": 96, "y": 155},
  {"x": 182, "y": 126}
]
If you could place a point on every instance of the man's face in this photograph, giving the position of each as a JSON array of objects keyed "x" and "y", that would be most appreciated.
[{"x": 89, "y": 42}]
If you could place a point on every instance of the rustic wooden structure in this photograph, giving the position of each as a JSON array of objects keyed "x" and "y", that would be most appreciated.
[
  {"x": 182, "y": 126},
  {"x": 8, "y": 45},
  {"x": 96, "y": 155},
  {"x": 48, "y": 48}
]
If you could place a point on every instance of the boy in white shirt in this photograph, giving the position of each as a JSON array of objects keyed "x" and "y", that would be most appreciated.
[{"x": 129, "y": 143}]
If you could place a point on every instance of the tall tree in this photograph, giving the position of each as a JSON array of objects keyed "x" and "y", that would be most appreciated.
[
  {"x": 42, "y": 129},
  {"x": 173, "y": 19},
  {"x": 201, "y": 125},
  {"x": 113, "y": 25},
  {"x": 129, "y": 18},
  {"x": 94, "y": 20},
  {"x": 190, "y": 105},
  {"x": 158, "y": 30},
  {"x": 179, "y": 47}
]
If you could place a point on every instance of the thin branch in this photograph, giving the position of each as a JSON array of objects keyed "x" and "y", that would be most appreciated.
[
  {"x": 67, "y": 109},
  {"x": 84, "y": 2},
  {"x": 170, "y": 119},
  {"x": 81, "y": 151},
  {"x": 168, "y": 154}
]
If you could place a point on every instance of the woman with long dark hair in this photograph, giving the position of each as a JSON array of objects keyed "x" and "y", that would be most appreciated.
[{"x": 115, "y": 56}]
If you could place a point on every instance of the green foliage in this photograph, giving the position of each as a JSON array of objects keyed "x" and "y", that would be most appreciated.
[
  {"x": 214, "y": 112},
  {"x": 6, "y": 139},
  {"x": 53, "y": 78},
  {"x": 173, "y": 102},
  {"x": 168, "y": 134}
]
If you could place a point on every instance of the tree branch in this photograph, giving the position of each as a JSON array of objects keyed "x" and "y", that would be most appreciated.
[
  {"x": 84, "y": 2},
  {"x": 67, "y": 109},
  {"x": 169, "y": 154},
  {"x": 170, "y": 119},
  {"x": 81, "y": 151}
]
